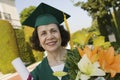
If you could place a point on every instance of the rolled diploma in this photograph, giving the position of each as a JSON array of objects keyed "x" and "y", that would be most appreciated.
[{"x": 20, "y": 68}]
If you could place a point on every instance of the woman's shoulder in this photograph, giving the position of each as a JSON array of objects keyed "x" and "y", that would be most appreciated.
[
  {"x": 39, "y": 69},
  {"x": 41, "y": 64}
]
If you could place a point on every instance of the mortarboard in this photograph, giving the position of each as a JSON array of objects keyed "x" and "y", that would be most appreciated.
[{"x": 45, "y": 14}]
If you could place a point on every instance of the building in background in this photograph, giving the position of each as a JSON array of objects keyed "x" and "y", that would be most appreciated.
[{"x": 9, "y": 12}]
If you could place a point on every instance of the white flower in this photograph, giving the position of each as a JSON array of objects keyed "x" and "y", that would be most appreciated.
[
  {"x": 100, "y": 78},
  {"x": 88, "y": 69}
]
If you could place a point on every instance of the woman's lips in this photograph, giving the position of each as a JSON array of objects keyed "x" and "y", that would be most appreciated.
[{"x": 51, "y": 43}]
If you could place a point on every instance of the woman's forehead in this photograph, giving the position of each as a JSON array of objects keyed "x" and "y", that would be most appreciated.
[{"x": 47, "y": 27}]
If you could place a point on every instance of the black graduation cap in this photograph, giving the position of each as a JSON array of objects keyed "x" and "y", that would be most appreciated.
[{"x": 45, "y": 14}]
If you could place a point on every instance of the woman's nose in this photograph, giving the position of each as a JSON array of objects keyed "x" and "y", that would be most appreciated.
[{"x": 50, "y": 36}]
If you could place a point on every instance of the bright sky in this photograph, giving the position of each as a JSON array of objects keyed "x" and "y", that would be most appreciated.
[{"x": 79, "y": 18}]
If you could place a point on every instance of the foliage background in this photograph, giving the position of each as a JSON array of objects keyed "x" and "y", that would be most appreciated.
[
  {"x": 8, "y": 47},
  {"x": 25, "y": 51},
  {"x": 22, "y": 47}
]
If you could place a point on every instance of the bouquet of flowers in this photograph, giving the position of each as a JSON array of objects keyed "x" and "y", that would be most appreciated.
[{"x": 97, "y": 62}]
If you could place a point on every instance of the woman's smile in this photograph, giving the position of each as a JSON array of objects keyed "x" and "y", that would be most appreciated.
[{"x": 51, "y": 43}]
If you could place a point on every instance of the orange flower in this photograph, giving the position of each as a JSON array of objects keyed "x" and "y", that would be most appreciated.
[
  {"x": 109, "y": 61},
  {"x": 80, "y": 51},
  {"x": 91, "y": 54}
]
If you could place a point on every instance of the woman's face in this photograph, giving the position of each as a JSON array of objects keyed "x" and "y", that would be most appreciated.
[{"x": 49, "y": 37}]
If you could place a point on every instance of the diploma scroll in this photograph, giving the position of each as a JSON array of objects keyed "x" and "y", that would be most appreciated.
[{"x": 20, "y": 68}]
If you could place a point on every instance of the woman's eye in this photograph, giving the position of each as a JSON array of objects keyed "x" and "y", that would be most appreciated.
[
  {"x": 42, "y": 34},
  {"x": 54, "y": 30}
]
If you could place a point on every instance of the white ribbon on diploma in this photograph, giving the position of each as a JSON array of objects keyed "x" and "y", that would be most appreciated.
[{"x": 20, "y": 68}]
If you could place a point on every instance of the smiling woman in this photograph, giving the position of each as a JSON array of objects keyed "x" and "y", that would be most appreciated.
[{"x": 51, "y": 37}]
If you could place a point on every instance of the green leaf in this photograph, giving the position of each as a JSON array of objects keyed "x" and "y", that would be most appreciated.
[
  {"x": 99, "y": 41},
  {"x": 80, "y": 37}
]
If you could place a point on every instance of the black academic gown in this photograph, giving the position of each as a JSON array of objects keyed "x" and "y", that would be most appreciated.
[{"x": 44, "y": 72}]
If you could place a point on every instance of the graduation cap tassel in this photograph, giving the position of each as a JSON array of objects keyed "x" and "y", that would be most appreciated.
[{"x": 66, "y": 24}]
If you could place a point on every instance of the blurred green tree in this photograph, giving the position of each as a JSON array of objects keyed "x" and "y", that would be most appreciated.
[
  {"x": 25, "y": 51},
  {"x": 106, "y": 12},
  {"x": 26, "y": 12},
  {"x": 8, "y": 47}
]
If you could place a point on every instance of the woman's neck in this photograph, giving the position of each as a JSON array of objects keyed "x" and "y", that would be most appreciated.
[{"x": 57, "y": 57}]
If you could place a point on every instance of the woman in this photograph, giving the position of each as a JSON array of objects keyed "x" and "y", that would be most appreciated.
[{"x": 51, "y": 37}]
